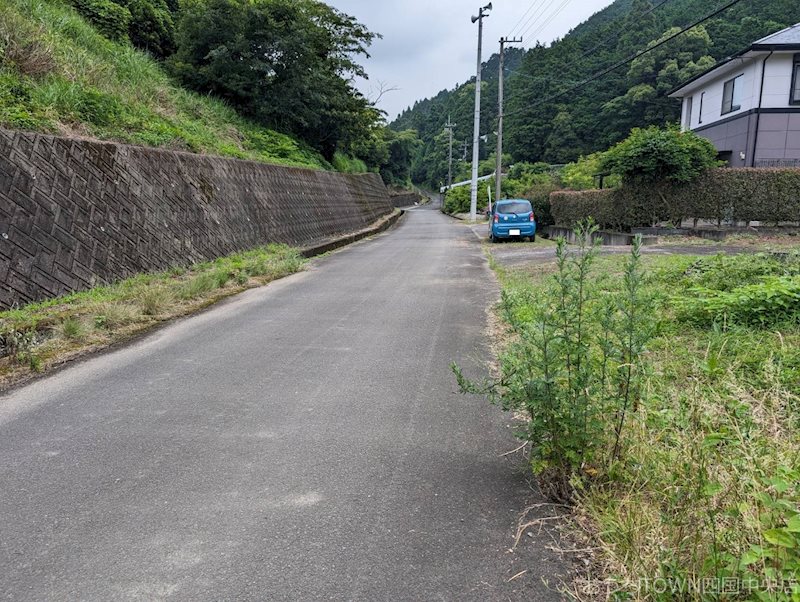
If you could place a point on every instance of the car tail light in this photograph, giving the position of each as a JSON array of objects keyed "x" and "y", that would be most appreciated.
[
  {"x": 496, "y": 219},
  {"x": 532, "y": 217}
]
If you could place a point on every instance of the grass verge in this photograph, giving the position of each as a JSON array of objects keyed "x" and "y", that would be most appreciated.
[
  {"x": 700, "y": 499},
  {"x": 40, "y": 336},
  {"x": 58, "y": 75}
]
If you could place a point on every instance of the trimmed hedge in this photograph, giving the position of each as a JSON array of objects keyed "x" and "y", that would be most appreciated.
[{"x": 754, "y": 194}]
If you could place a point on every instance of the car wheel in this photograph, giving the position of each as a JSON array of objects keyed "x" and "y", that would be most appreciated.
[{"x": 533, "y": 238}]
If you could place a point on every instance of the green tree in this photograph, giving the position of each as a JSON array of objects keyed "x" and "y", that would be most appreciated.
[
  {"x": 288, "y": 63},
  {"x": 653, "y": 75},
  {"x": 563, "y": 144},
  {"x": 151, "y": 26},
  {"x": 658, "y": 155},
  {"x": 110, "y": 19},
  {"x": 638, "y": 27},
  {"x": 402, "y": 147}
]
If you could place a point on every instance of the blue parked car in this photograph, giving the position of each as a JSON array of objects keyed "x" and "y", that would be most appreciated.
[{"x": 512, "y": 219}]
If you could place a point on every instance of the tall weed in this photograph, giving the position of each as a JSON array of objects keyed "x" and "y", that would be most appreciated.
[{"x": 575, "y": 369}]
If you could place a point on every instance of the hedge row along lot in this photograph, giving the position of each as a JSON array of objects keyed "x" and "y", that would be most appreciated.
[
  {"x": 661, "y": 397},
  {"x": 770, "y": 196},
  {"x": 43, "y": 335}
]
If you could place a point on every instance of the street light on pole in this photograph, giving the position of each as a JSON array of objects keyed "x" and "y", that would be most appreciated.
[{"x": 476, "y": 135}]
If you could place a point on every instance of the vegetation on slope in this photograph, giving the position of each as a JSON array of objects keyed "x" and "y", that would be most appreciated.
[{"x": 59, "y": 75}]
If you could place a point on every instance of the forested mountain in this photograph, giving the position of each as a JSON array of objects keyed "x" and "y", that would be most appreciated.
[{"x": 598, "y": 114}]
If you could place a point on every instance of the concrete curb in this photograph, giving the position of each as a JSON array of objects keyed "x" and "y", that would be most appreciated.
[{"x": 348, "y": 239}]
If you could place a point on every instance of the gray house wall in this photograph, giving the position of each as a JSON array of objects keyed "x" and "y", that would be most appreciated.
[{"x": 777, "y": 142}]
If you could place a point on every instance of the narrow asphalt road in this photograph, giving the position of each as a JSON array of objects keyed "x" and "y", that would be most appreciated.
[{"x": 302, "y": 441}]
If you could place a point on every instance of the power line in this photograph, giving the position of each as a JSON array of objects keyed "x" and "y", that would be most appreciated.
[
  {"x": 530, "y": 8},
  {"x": 552, "y": 17},
  {"x": 615, "y": 37},
  {"x": 571, "y": 64},
  {"x": 630, "y": 59},
  {"x": 533, "y": 19},
  {"x": 547, "y": 78}
]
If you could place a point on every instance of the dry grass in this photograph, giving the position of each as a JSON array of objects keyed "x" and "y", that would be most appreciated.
[
  {"x": 25, "y": 46},
  {"x": 41, "y": 336}
]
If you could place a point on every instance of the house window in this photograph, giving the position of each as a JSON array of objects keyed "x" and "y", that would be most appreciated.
[
  {"x": 700, "y": 114},
  {"x": 796, "y": 81},
  {"x": 687, "y": 120},
  {"x": 732, "y": 95}
]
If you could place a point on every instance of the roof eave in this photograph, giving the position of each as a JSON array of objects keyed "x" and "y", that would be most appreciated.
[
  {"x": 676, "y": 92},
  {"x": 776, "y": 47}
]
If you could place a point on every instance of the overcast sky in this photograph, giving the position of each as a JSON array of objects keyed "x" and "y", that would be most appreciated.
[{"x": 430, "y": 45}]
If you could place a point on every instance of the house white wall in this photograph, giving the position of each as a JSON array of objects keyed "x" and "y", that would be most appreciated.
[
  {"x": 709, "y": 95},
  {"x": 777, "y": 89},
  {"x": 778, "y": 81}
]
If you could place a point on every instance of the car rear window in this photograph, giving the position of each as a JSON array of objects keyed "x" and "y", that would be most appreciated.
[{"x": 516, "y": 207}]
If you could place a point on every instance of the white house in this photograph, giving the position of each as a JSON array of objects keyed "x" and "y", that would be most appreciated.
[{"x": 749, "y": 105}]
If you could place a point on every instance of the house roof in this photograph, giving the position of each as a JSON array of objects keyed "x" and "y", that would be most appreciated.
[
  {"x": 790, "y": 36},
  {"x": 786, "y": 39}
]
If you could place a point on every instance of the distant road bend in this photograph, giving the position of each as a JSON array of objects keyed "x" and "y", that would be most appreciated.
[{"x": 302, "y": 441}]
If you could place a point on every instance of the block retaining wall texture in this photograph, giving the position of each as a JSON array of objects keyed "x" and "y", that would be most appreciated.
[
  {"x": 77, "y": 213},
  {"x": 406, "y": 199}
]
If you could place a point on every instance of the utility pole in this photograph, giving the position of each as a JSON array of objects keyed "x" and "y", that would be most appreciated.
[
  {"x": 498, "y": 173},
  {"x": 449, "y": 127},
  {"x": 476, "y": 135}
]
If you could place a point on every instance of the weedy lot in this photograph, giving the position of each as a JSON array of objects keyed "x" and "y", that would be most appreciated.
[
  {"x": 662, "y": 402},
  {"x": 42, "y": 335}
]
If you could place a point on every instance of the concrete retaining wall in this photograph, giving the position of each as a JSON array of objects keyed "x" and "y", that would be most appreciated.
[
  {"x": 605, "y": 237},
  {"x": 75, "y": 213},
  {"x": 406, "y": 199}
]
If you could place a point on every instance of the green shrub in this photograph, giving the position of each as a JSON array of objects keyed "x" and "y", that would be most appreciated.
[
  {"x": 154, "y": 300},
  {"x": 539, "y": 196},
  {"x": 114, "y": 315},
  {"x": 346, "y": 164},
  {"x": 71, "y": 328},
  {"x": 655, "y": 155},
  {"x": 727, "y": 272},
  {"x": 774, "y": 301},
  {"x": 583, "y": 174},
  {"x": 96, "y": 107},
  {"x": 569, "y": 207},
  {"x": 221, "y": 277},
  {"x": 151, "y": 26},
  {"x": 111, "y": 19},
  {"x": 457, "y": 200}
]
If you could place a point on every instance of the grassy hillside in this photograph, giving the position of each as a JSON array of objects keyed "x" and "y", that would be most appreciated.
[{"x": 58, "y": 75}]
